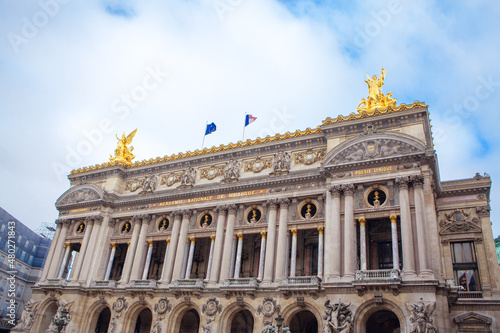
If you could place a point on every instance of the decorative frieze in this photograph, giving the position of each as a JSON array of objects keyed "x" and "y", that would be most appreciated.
[
  {"x": 257, "y": 165},
  {"x": 309, "y": 156},
  {"x": 212, "y": 172},
  {"x": 281, "y": 163},
  {"x": 170, "y": 179},
  {"x": 458, "y": 221}
]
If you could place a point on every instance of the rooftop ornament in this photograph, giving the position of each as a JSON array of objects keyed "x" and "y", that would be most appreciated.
[
  {"x": 122, "y": 152},
  {"x": 376, "y": 99}
]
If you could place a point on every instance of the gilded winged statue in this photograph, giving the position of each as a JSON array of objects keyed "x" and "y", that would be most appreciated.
[
  {"x": 122, "y": 152},
  {"x": 376, "y": 99}
]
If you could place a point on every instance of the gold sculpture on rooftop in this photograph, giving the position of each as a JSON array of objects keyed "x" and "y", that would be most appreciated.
[
  {"x": 376, "y": 99},
  {"x": 122, "y": 152}
]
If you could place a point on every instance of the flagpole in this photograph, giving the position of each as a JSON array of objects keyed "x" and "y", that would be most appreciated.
[
  {"x": 204, "y": 135},
  {"x": 244, "y": 125}
]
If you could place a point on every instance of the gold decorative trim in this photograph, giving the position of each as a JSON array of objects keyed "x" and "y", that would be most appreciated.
[
  {"x": 376, "y": 112},
  {"x": 197, "y": 152}
]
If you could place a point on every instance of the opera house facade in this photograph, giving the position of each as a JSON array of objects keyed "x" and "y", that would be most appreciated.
[{"x": 343, "y": 228}]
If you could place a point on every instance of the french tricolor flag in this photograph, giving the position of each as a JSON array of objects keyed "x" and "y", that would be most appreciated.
[{"x": 249, "y": 119}]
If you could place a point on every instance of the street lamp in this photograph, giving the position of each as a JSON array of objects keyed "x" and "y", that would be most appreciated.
[{"x": 279, "y": 321}]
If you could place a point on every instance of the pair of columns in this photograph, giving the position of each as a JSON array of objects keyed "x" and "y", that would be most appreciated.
[
  {"x": 293, "y": 258},
  {"x": 332, "y": 266},
  {"x": 363, "y": 245},
  {"x": 84, "y": 269},
  {"x": 409, "y": 248}
]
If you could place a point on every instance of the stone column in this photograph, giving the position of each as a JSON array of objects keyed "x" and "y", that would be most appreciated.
[
  {"x": 219, "y": 242},
  {"x": 190, "y": 259},
  {"x": 49, "y": 262},
  {"x": 293, "y": 260},
  {"x": 332, "y": 233},
  {"x": 233, "y": 256},
  {"x": 88, "y": 261},
  {"x": 138, "y": 265},
  {"x": 406, "y": 229},
  {"x": 129, "y": 259},
  {"x": 349, "y": 232},
  {"x": 165, "y": 260},
  {"x": 362, "y": 243},
  {"x": 394, "y": 238},
  {"x": 181, "y": 247},
  {"x": 148, "y": 261},
  {"x": 418, "y": 188},
  {"x": 168, "y": 268},
  {"x": 58, "y": 249},
  {"x": 228, "y": 242},
  {"x": 320, "y": 251},
  {"x": 97, "y": 265},
  {"x": 271, "y": 241},
  {"x": 210, "y": 257},
  {"x": 238, "y": 257},
  {"x": 281, "y": 248},
  {"x": 110, "y": 262},
  {"x": 65, "y": 260},
  {"x": 262, "y": 255},
  {"x": 81, "y": 255}
]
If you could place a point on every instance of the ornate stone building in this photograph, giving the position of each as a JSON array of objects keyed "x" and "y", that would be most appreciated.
[{"x": 343, "y": 228}]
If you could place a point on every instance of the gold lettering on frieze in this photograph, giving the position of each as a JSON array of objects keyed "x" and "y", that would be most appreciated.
[
  {"x": 79, "y": 210},
  {"x": 374, "y": 170},
  {"x": 209, "y": 198}
]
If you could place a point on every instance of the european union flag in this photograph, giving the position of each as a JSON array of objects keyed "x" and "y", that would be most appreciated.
[{"x": 210, "y": 128}]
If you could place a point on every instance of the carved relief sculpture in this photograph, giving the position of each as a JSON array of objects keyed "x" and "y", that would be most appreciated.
[
  {"x": 268, "y": 309},
  {"x": 62, "y": 316},
  {"x": 232, "y": 170},
  {"x": 337, "y": 318},
  {"x": 458, "y": 222},
  {"x": 258, "y": 165},
  {"x": 28, "y": 316},
  {"x": 149, "y": 185},
  {"x": 188, "y": 177},
  {"x": 281, "y": 162},
  {"x": 82, "y": 195},
  {"x": 211, "y": 307},
  {"x": 421, "y": 317},
  {"x": 309, "y": 156}
]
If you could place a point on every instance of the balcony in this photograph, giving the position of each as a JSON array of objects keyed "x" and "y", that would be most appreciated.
[
  {"x": 103, "y": 284},
  {"x": 388, "y": 279},
  {"x": 470, "y": 294},
  {"x": 311, "y": 284},
  {"x": 143, "y": 284},
  {"x": 379, "y": 275}
]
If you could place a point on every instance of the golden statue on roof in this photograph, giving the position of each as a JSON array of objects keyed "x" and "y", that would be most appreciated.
[
  {"x": 122, "y": 152},
  {"x": 376, "y": 99}
]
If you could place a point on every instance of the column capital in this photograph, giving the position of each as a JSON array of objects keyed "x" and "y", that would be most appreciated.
[
  {"x": 177, "y": 213},
  {"x": 393, "y": 218},
  {"x": 320, "y": 230},
  {"x": 348, "y": 189},
  {"x": 186, "y": 213},
  {"x": 232, "y": 209},
  {"x": 212, "y": 238},
  {"x": 221, "y": 209},
  {"x": 192, "y": 239},
  {"x": 294, "y": 232},
  {"x": 263, "y": 234},
  {"x": 284, "y": 203},
  {"x": 272, "y": 203},
  {"x": 362, "y": 221},
  {"x": 417, "y": 181},
  {"x": 240, "y": 236},
  {"x": 168, "y": 241},
  {"x": 128, "y": 244},
  {"x": 68, "y": 245},
  {"x": 402, "y": 182},
  {"x": 335, "y": 190},
  {"x": 112, "y": 222},
  {"x": 150, "y": 243},
  {"x": 483, "y": 211},
  {"x": 113, "y": 245}
]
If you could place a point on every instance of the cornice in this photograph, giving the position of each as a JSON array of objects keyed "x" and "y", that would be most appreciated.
[
  {"x": 376, "y": 112},
  {"x": 197, "y": 152}
]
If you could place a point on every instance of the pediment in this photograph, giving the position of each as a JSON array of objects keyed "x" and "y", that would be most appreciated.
[
  {"x": 473, "y": 318},
  {"x": 80, "y": 194},
  {"x": 376, "y": 146}
]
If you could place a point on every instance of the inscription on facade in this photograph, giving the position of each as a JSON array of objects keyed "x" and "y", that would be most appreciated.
[
  {"x": 209, "y": 198},
  {"x": 374, "y": 170}
]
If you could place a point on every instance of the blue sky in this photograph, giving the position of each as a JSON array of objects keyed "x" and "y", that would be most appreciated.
[{"x": 75, "y": 73}]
